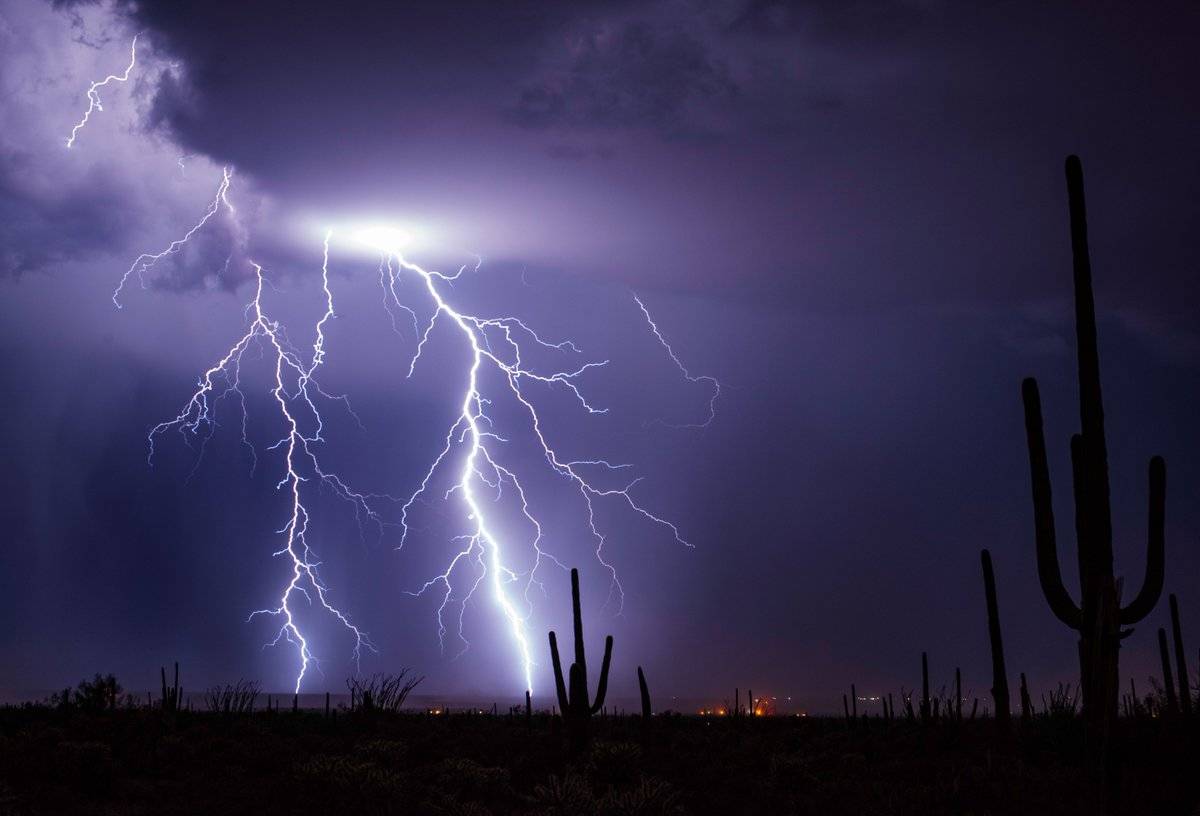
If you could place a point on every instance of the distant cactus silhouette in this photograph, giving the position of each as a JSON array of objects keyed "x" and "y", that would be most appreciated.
[
  {"x": 926, "y": 711},
  {"x": 958, "y": 693},
  {"x": 645, "y": 692},
  {"x": 999, "y": 673},
  {"x": 1168, "y": 680},
  {"x": 573, "y": 698},
  {"x": 1099, "y": 617},
  {"x": 1026, "y": 701},
  {"x": 171, "y": 696},
  {"x": 1185, "y": 689}
]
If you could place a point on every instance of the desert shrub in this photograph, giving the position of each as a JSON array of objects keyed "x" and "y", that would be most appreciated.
[
  {"x": 232, "y": 699},
  {"x": 352, "y": 783},
  {"x": 613, "y": 764},
  {"x": 383, "y": 752},
  {"x": 567, "y": 795},
  {"x": 381, "y": 692},
  {"x": 470, "y": 780},
  {"x": 101, "y": 693},
  {"x": 649, "y": 797}
]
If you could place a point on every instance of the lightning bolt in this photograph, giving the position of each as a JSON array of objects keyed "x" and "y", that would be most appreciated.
[
  {"x": 144, "y": 262},
  {"x": 296, "y": 395},
  {"x": 93, "y": 96},
  {"x": 495, "y": 344},
  {"x": 687, "y": 375}
]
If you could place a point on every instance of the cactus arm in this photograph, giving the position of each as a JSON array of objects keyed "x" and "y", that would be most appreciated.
[
  {"x": 559, "y": 686},
  {"x": 1049, "y": 573},
  {"x": 1152, "y": 584},
  {"x": 602, "y": 684},
  {"x": 644, "y": 690}
]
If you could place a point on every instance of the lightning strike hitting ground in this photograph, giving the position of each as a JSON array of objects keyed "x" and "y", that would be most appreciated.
[
  {"x": 296, "y": 394},
  {"x": 94, "y": 97},
  {"x": 495, "y": 345}
]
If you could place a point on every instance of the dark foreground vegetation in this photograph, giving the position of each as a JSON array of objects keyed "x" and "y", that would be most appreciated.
[{"x": 143, "y": 760}]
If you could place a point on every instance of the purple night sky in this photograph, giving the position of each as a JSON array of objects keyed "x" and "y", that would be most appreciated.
[{"x": 852, "y": 214}]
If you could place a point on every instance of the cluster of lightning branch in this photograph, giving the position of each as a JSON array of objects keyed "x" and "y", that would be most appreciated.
[
  {"x": 297, "y": 396},
  {"x": 495, "y": 345}
]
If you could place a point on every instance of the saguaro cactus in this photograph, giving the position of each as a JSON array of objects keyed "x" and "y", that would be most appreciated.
[
  {"x": 573, "y": 698},
  {"x": 999, "y": 673},
  {"x": 1099, "y": 616},
  {"x": 171, "y": 696}
]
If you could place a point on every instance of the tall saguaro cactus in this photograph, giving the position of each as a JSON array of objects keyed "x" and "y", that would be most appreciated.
[
  {"x": 573, "y": 695},
  {"x": 1099, "y": 616}
]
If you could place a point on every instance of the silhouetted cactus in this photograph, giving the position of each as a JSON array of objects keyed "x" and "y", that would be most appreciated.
[
  {"x": 926, "y": 711},
  {"x": 1099, "y": 617},
  {"x": 958, "y": 693},
  {"x": 573, "y": 700},
  {"x": 1185, "y": 688},
  {"x": 999, "y": 673},
  {"x": 1168, "y": 681},
  {"x": 1026, "y": 702},
  {"x": 644, "y": 690},
  {"x": 170, "y": 696}
]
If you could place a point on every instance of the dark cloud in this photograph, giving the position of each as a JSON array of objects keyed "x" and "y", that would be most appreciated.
[
  {"x": 634, "y": 74},
  {"x": 840, "y": 21},
  {"x": 47, "y": 221}
]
